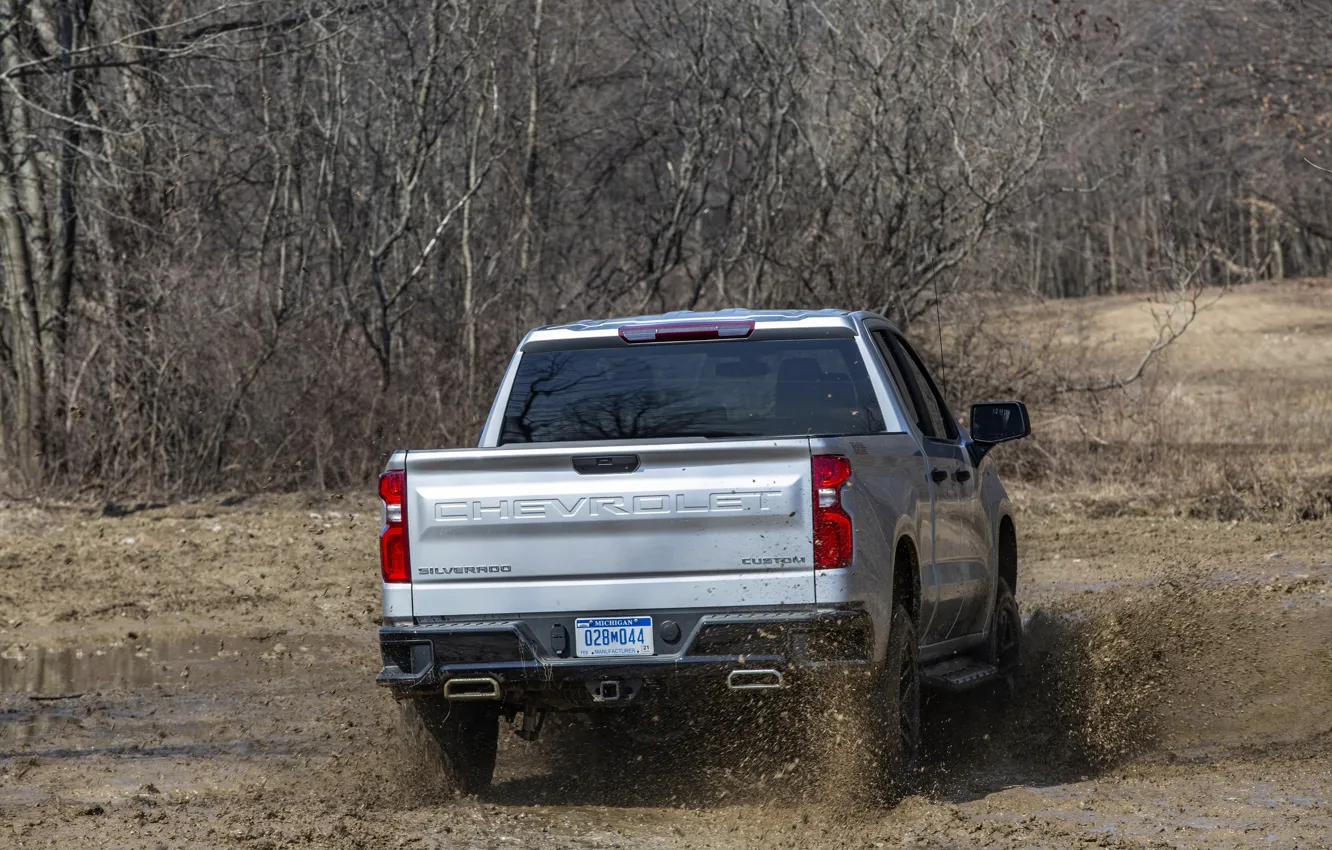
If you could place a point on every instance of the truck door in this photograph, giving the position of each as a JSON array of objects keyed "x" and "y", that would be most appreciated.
[{"x": 960, "y": 559}]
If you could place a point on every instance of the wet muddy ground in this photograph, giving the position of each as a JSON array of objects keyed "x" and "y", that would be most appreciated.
[{"x": 200, "y": 675}]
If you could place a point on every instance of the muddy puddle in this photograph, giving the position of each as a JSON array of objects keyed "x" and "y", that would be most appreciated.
[
  {"x": 56, "y": 701},
  {"x": 46, "y": 673}
]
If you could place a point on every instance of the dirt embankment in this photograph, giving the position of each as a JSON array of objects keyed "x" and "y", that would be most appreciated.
[{"x": 200, "y": 675}]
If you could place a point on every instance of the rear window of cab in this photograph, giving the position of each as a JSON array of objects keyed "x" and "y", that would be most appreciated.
[{"x": 749, "y": 388}]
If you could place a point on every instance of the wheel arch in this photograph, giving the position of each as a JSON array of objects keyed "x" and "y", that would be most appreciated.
[
  {"x": 1006, "y": 557},
  {"x": 906, "y": 575}
]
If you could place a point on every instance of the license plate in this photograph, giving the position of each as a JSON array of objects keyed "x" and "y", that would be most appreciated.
[{"x": 602, "y": 636}]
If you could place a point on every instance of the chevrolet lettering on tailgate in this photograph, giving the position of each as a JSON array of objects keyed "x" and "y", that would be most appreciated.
[{"x": 595, "y": 507}]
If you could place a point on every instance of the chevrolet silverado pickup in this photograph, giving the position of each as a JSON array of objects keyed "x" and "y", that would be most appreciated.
[{"x": 735, "y": 502}]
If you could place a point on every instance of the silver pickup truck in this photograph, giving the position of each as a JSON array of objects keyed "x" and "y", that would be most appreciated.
[{"x": 739, "y": 501}]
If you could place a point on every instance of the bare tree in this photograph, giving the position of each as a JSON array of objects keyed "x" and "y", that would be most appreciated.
[{"x": 234, "y": 239}]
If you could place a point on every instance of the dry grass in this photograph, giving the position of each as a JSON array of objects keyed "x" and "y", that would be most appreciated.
[{"x": 1230, "y": 422}]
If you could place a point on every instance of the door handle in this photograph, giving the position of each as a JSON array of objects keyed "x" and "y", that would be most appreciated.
[
  {"x": 962, "y": 475},
  {"x": 939, "y": 476}
]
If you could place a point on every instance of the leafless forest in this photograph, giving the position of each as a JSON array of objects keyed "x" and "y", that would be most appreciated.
[{"x": 258, "y": 244}]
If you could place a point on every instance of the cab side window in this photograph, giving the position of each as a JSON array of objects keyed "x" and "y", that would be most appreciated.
[
  {"x": 903, "y": 389},
  {"x": 935, "y": 421}
]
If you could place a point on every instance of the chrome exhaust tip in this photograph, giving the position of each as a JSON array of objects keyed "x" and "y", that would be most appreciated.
[
  {"x": 478, "y": 689},
  {"x": 754, "y": 680}
]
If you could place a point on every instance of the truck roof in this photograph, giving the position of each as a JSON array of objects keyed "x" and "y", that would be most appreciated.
[{"x": 789, "y": 318}]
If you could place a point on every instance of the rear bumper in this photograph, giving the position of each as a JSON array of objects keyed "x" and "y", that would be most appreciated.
[{"x": 531, "y": 658}]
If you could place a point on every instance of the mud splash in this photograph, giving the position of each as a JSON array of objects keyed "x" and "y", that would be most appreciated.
[{"x": 1162, "y": 670}]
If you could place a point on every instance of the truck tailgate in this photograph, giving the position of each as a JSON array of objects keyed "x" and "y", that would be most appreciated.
[{"x": 697, "y": 524}]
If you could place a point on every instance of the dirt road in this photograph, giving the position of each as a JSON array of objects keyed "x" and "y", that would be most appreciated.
[{"x": 200, "y": 676}]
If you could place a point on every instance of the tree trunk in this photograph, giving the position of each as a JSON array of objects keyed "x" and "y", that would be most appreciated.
[
  {"x": 530, "y": 161},
  {"x": 1110, "y": 248},
  {"x": 24, "y": 252},
  {"x": 469, "y": 263},
  {"x": 73, "y": 19}
]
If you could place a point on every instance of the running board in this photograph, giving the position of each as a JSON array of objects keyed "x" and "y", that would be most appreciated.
[{"x": 958, "y": 674}]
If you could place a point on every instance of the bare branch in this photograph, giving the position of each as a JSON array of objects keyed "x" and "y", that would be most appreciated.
[{"x": 1181, "y": 311}]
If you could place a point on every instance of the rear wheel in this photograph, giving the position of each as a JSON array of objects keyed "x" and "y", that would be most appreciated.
[
  {"x": 464, "y": 738},
  {"x": 1005, "y": 649},
  {"x": 896, "y": 701}
]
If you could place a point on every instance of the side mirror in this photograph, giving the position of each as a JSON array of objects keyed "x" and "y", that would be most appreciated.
[{"x": 995, "y": 422}]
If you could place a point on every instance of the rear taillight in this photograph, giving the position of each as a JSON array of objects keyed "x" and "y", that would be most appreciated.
[
  {"x": 393, "y": 536},
  {"x": 832, "y": 524}
]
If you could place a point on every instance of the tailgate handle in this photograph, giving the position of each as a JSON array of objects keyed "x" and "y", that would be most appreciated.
[{"x": 605, "y": 464}]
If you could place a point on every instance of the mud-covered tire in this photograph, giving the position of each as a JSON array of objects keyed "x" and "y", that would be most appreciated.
[
  {"x": 461, "y": 738},
  {"x": 895, "y": 699},
  {"x": 1005, "y": 645},
  {"x": 1004, "y": 650}
]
